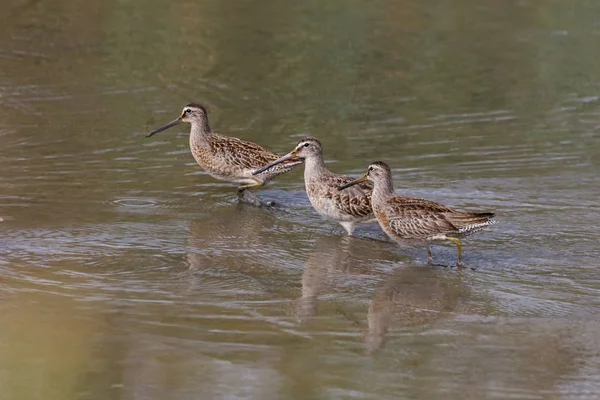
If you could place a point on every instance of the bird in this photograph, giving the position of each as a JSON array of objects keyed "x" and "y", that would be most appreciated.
[
  {"x": 228, "y": 158},
  {"x": 409, "y": 219},
  {"x": 348, "y": 208}
]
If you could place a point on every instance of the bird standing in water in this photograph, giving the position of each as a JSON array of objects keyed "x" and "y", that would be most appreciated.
[
  {"x": 228, "y": 158},
  {"x": 408, "y": 219},
  {"x": 348, "y": 208}
]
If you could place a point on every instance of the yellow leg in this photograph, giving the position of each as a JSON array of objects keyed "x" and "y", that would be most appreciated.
[{"x": 456, "y": 241}]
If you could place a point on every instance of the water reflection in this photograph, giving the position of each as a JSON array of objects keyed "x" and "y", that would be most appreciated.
[
  {"x": 413, "y": 298},
  {"x": 335, "y": 263},
  {"x": 237, "y": 239},
  {"x": 405, "y": 295}
]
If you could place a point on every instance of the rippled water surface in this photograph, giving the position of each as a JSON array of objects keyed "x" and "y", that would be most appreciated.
[{"x": 128, "y": 273}]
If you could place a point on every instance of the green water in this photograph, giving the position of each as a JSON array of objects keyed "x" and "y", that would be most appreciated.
[{"x": 126, "y": 272}]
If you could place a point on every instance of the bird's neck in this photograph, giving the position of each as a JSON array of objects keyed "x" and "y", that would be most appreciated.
[
  {"x": 382, "y": 190},
  {"x": 314, "y": 166},
  {"x": 200, "y": 131}
]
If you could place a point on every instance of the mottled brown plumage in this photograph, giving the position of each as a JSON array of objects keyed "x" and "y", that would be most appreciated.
[
  {"x": 228, "y": 158},
  {"x": 407, "y": 219},
  {"x": 349, "y": 208}
]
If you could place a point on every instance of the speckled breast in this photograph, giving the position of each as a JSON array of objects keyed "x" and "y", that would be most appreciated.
[{"x": 214, "y": 166}]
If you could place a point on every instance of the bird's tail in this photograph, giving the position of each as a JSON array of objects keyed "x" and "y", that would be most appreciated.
[{"x": 472, "y": 222}]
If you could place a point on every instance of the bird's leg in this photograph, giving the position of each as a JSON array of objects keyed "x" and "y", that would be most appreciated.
[
  {"x": 245, "y": 196},
  {"x": 456, "y": 241},
  {"x": 429, "y": 255}
]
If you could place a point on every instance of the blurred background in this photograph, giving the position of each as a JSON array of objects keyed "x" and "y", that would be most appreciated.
[{"x": 126, "y": 272}]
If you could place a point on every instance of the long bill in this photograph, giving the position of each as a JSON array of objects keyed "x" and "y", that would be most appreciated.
[
  {"x": 354, "y": 182},
  {"x": 288, "y": 156},
  {"x": 165, "y": 127}
]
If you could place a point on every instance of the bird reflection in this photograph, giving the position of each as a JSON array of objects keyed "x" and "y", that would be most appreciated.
[
  {"x": 413, "y": 296},
  {"x": 226, "y": 235},
  {"x": 236, "y": 249},
  {"x": 331, "y": 263},
  {"x": 408, "y": 296},
  {"x": 233, "y": 250}
]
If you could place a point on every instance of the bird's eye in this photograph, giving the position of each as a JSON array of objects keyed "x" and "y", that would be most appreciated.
[
  {"x": 188, "y": 111},
  {"x": 370, "y": 169},
  {"x": 306, "y": 144}
]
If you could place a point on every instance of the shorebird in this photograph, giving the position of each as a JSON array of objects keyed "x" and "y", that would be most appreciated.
[
  {"x": 348, "y": 208},
  {"x": 408, "y": 219},
  {"x": 228, "y": 158}
]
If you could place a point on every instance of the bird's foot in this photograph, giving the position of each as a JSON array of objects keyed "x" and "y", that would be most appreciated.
[
  {"x": 461, "y": 265},
  {"x": 245, "y": 196},
  {"x": 432, "y": 264}
]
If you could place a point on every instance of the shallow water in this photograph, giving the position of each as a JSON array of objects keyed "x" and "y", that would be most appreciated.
[{"x": 128, "y": 273}]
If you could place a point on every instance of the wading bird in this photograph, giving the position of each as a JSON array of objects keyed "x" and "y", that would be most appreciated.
[
  {"x": 408, "y": 219},
  {"x": 348, "y": 208},
  {"x": 228, "y": 158}
]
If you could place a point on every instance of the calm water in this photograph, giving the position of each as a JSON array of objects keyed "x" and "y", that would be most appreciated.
[{"x": 128, "y": 273}]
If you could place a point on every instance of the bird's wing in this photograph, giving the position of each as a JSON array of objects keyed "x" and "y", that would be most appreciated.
[
  {"x": 241, "y": 153},
  {"x": 417, "y": 218},
  {"x": 354, "y": 201}
]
